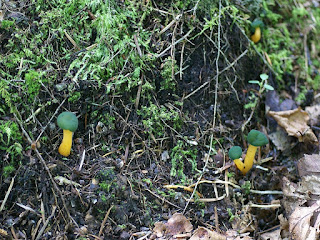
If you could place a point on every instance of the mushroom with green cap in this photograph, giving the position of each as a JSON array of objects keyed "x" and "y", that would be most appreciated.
[
  {"x": 256, "y": 27},
  {"x": 69, "y": 123},
  {"x": 255, "y": 139},
  {"x": 235, "y": 154}
]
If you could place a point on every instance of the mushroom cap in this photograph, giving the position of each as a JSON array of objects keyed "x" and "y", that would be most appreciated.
[
  {"x": 256, "y": 23},
  {"x": 235, "y": 152},
  {"x": 68, "y": 121},
  {"x": 257, "y": 138}
]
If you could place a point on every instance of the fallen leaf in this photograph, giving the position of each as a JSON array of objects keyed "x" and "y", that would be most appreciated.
[
  {"x": 274, "y": 235},
  {"x": 159, "y": 229},
  {"x": 295, "y": 124},
  {"x": 3, "y": 233},
  {"x": 292, "y": 197},
  {"x": 300, "y": 224},
  {"x": 284, "y": 227},
  {"x": 309, "y": 164},
  {"x": 234, "y": 235},
  {"x": 281, "y": 140},
  {"x": 309, "y": 171},
  {"x": 1, "y": 15},
  {"x": 244, "y": 223},
  {"x": 203, "y": 233},
  {"x": 178, "y": 224},
  {"x": 314, "y": 113}
]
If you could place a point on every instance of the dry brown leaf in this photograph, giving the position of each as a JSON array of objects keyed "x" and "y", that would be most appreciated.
[
  {"x": 281, "y": 140},
  {"x": 203, "y": 233},
  {"x": 274, "y": 235},
  {"x": 244, "y": 223},
  {"x": 177, "y": 227},
  {"x": 314, "y": 113},
  {"x": 234, "y": 235},
  {"x": 1, "y": 15},
  {"x": 284, "y": 227},
  {"x": 3, "y": 233},
  {"x": 159, "y": 229},
  {"x": 292, "y": 197},
  {"x": 178, "y": 224},
  {"x": 309, "y": 165},
  {"x": 300, "y": 224},
  {"x": 295, "y": 123}
]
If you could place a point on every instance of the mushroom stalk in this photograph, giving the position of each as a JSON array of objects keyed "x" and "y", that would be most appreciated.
[
  {"x": 240, "y": 165},
  {"x": 248, "y": 160},
  {"x": 66, "y": 143},
  {"x": 257, "y": 35}
]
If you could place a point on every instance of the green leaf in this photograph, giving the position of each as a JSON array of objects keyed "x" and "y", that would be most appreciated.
[
  {"x": 268, "y": 87},
  {"x": 254, "y": 81},
  {"x": 264, "y": 76}
]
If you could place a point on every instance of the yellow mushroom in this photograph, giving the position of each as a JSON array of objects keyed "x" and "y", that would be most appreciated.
[
  {"x": 255, "y": 140},
  {"x": 256, "y": 27},
  {"x": 235, "y": 154},
  {"x": 69, "y": 123}
]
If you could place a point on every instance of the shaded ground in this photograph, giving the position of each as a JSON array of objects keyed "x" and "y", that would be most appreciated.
[{"x": 161, "y": 93}]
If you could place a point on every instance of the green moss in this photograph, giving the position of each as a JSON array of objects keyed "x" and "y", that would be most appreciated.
[
  {"x": 183, "y": 154},
  {"x": 155, "y": 118}
]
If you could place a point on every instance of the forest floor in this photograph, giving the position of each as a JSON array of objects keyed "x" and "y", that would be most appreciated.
[{"x": 162, "y": 90}]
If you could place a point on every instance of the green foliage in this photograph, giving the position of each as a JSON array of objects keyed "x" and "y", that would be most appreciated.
[
  {"x": 246, "y": 187},
  {"x": 10, "y": 142},
  {"x": 107, "y": 184},
  {"x": 168, "y": 71},
  {"x": 75, "y": 96},
  {"x": 9, "y": 132},
  {"x": 7, "y": 170},
  {"x": 263, "y": 86},
  {"x": 231, "y": 215},
  {"x": 7, "y": 24},
  {"x": 179, "y": 154},
  {"x": 155, "y": 118},
  {"x": 268, "y": 13},
  {"x": 33, "y": 83}
]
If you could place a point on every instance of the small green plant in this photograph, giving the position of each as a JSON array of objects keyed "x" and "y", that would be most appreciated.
[
  {"x": 10, "y": 138},
  {"x": 179, "y": 154},
  {"x": 33, "y": 83},
  {"x": 168, "y": 70},
  {"x": 263, "y": 86},
  {"x": 246, "y": 187},
  {"x": 231, "y": 215},
  {"x": 7, "y": 170},
  {"x": 156, "y": 118}
]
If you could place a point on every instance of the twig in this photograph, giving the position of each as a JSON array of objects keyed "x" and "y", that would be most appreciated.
[
  {"x": 181, "y": 60},
  {"x": 217, "y": 72},
  {"x": 176, "y": 19},
  {"x": 188, "y": 189},
  {"x": 7, "y": 194},
  {"x": 162, "y": 198},
  {"x": 216, "y": 219},
  {"x": 175, "y": 43},
  {"x": 141, "y": 77},
  {"x": 265, "y": 206},
  {"x": 71, "y": 40},
  {"x": 238, "y": 187},
  {"x": 82, "y": 160},
  {"x": 104, "y": 221},
  {"x": 46, "y": 223}
]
